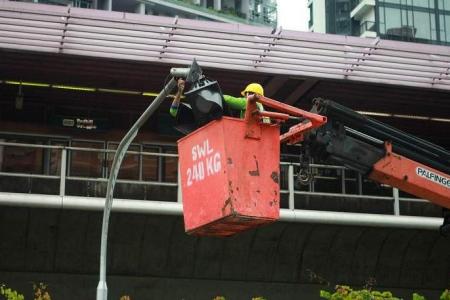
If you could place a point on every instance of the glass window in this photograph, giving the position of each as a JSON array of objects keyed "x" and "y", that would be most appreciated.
[
  {"x": 382, "y": 24},
  {"x": 170, "y": 165},
  {"x": 330, "y": 14},
  {"x": 442, "y": 28},
  {"x": 410, "y": 18},
  {"x": 433, "y": 27},
  {"x": 424, "y": 3},
  {"x": 150, "y": 164},
  {"x": 447, "y": 28},
  {"x": 87, "y": 163},
  {"x": 404, "y": 19},
  {"x": 22, "y": 159},
  {"x": 82, "y": 3},
  {"x": 159, "y": 168},
  {"x": 230, "y": 4},
  {"x": 393, "y": 21},
  {"x": 422, "y": 24},
  {"x": 444, "y": 4}
]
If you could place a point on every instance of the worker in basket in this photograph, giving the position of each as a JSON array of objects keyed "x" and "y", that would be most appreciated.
[
  {"x": 234, "y": 103},
  {"x": 240, "y": 103}
]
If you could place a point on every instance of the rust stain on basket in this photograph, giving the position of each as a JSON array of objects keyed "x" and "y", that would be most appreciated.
[
  {"x": 274, "y": 176},
  {"x": 255, "y": 172},
  {"x": 229, "y": 201}
]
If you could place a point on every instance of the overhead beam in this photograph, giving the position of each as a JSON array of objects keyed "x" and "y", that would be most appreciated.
[
  {"x": 274, "y": 85},
  {"x": 301, "y": 90}
]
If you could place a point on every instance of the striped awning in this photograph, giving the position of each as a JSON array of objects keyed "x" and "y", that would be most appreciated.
[{"x": 116, "y": 35}]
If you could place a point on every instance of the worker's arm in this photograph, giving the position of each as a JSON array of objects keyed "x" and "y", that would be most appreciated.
[
  {"x": 176, "y": 101},
  {"x": 237, "y": 103},
  {"x": 240, "y": 103}
]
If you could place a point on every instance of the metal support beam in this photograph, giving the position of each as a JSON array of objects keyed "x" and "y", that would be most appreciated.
[
  {"x": 301, "y": 90},
  {"x": 274, "y": 85}
]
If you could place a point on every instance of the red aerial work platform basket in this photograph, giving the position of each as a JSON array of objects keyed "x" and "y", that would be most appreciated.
[
  {"x": 230, "y": 176},
  {"x": 229, "y": 168}
]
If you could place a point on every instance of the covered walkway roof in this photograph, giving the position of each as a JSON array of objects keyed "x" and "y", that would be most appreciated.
[
  {"x": 237, "y": 47},
  {"x": 65, "y": 30},
  {"x": 87, "y": 47}
]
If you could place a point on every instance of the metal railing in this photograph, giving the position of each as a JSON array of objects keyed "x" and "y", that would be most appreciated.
[{"x": 334, "y": 182}]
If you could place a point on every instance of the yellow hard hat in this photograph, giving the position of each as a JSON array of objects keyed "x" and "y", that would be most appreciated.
[{"x": 253, "y": 88}]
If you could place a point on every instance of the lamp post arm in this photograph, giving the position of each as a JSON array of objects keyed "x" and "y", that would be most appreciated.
[{"x": 102, "y": 290}]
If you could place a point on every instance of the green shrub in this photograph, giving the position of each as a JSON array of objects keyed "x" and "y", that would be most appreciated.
[
  {"x": 343, "y": 292},
  {"x": 41, "y": 291},
  {"x": 10, "y": 294},
  {"x": 418, "y": 297},
  {"x": 445, "y": 295}
]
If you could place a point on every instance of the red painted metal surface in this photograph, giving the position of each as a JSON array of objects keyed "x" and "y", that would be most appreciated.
[
  {"x": 295, "y": 133},
  {"x": 412, "y": 177},
  {"x": 274, "y": 116},
  {"x": 230, "y": 179},
  {"x": 316, "y": 119}
]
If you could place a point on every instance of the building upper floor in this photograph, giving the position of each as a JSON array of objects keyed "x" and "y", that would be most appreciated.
[
  {"x": 422, "y": 21},
  {"x": 255, "y": 12}
]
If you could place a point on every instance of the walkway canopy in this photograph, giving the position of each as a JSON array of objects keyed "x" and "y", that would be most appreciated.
[{"x": 105, "y": 49}]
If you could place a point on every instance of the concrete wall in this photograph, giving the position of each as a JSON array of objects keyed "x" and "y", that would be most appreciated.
[{"x": 150, "y": 257}]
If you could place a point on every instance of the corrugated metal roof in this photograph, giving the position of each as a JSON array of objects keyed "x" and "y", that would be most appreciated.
[{"x": 237, "y": 47}]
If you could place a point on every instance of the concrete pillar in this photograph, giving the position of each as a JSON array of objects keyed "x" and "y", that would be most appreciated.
[
  {"x": 217, "y": 4},
  {"x": 108, "y": 5},
  {"x": 140, "y": 8},
  {"x": 245, "y": 5},
  {"x": 319, "y": 17}
]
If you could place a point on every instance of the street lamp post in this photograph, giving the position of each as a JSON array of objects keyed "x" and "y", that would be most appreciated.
[{"x": 191, "y": 74}]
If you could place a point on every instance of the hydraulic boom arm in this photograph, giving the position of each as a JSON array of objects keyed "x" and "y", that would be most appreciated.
[{"x": 381, "y": 152}]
